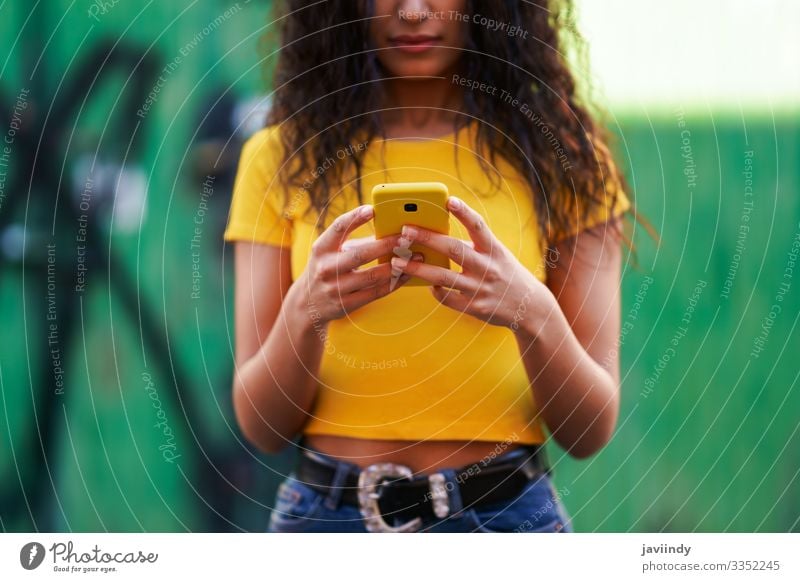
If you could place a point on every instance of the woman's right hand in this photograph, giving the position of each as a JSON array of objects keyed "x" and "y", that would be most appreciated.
[{"x": 331, "y": 285}]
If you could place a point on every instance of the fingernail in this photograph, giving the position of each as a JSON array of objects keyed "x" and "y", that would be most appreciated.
[
  {"x": 417, "y": 257},
  {"x": 399, "y": 263},
  {"x": 404, "y": 242},
  {"x": 453, "y": 203},
  {"x": 409, "y": 232},
  {"x": 366, "y": 211}
]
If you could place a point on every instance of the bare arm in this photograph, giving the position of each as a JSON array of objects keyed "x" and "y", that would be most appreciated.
[
  {"x": 566, "y": 330},
  {"x": 281, "y": 326},
  {"x": 277, "y": 349},
  {"x": 571, "y": 355}
]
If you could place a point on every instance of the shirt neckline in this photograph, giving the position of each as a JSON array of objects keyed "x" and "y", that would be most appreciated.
[{"x": 447, "y": 138}]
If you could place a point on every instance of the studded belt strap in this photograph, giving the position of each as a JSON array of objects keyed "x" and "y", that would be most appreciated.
[{"x": 407, "y": 496}]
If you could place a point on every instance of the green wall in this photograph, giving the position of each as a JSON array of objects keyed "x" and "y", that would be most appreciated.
[{"x": 711, "y": 446}]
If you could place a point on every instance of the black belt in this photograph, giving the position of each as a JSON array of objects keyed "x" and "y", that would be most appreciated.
[{"x": 480, "y": 483}]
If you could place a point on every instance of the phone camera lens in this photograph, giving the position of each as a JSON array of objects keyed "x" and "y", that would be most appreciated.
[{"x": 410, "y": 207}]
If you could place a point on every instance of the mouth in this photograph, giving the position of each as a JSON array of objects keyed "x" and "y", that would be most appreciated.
[{"x": 414, "y": 43}]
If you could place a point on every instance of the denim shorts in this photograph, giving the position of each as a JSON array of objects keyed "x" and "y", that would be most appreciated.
[{"x": 536, "y": 509}]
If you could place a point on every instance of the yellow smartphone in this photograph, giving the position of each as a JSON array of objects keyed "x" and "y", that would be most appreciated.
[{"x": 419, "y": 203}]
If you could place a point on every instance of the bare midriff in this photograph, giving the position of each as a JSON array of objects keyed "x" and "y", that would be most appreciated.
[{"x": 421, "y": 457}]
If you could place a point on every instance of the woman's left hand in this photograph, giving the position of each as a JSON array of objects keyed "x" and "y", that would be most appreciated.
[{"x": 493, "y": 285}]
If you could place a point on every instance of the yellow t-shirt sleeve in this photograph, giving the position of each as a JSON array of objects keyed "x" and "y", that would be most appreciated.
[
  {"x": 602, "y": 212},
  {"x": 257, "y": 205}
]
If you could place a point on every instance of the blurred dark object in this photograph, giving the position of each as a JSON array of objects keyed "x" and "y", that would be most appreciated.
[{"x": 223, "y": 126}]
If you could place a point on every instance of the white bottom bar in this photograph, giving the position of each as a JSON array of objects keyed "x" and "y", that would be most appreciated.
[{"x": 444, "y": 557}]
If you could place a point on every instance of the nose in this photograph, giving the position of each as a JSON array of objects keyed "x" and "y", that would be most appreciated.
[{"x": 413, "y": 10}]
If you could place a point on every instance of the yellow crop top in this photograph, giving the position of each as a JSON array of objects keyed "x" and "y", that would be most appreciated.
[{"x": 404, "y": 366}]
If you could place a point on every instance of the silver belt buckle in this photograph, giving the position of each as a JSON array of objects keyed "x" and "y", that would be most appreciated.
[{"x": 368, "y": 481}]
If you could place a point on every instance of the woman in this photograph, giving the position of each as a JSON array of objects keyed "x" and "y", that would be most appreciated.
[{"x": 426, "y": 408}]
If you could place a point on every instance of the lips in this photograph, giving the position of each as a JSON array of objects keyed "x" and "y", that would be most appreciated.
[{"x": 414, "y": 43}]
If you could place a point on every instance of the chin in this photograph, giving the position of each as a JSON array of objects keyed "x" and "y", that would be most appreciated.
[
  {"x": 424, "y": 72},
  {"x": 417, "y": 69},
  {"x": 431, "y": 65}
]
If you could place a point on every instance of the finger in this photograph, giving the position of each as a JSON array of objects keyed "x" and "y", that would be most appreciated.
[
  {"x": 402, "y": 280},
  {"x": 362, "y": 278},
  {"x": 475, "y": 224},
  {"x": 334, "y": 236},
  {"x": 459, "y": 251},
  {"x": 353, "y": 301},
  {"x": 451, "y": 298},
  {"x": 362, "y": 251},
  {"x": 377, "y": 275},
  {"x": 355, "y": 242},
  {"x": 436, "y": 275},
  {"x": 398, "y": 276}
]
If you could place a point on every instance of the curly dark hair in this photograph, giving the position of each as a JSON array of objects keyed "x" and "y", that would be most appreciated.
[{"x": 328, "y": 93}]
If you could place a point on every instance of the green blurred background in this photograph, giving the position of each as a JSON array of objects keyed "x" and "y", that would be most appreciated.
[{"x": 707, "y": 441}]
